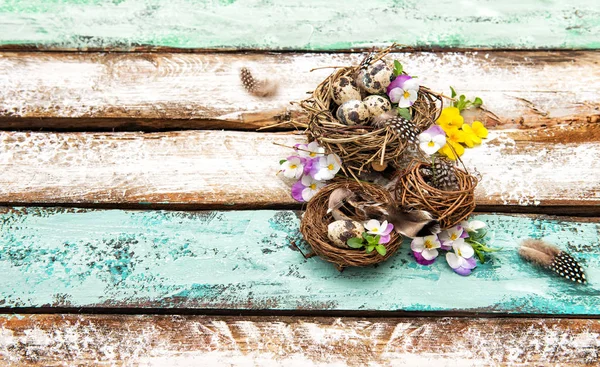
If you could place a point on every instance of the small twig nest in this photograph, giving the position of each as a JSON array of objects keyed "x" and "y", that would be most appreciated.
[
  {"x": 449, "y": 207},
  {"x": 315, "y": 221},
  {"x": 362, "y": 147}
]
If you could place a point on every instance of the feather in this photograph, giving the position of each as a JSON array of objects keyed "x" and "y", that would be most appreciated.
[
  {"x": 414, "y": 223},
  {"x": 405, "y": 129},
  {"x": 258, "y": 88},
  {"x": 551, "y": 257}
]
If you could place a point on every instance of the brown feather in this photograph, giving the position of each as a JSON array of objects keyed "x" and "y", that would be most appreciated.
[
  {"x": 414, "y": 223},
  {"x": 256, "y": 87},
  {"x": 551, "y": 257}
]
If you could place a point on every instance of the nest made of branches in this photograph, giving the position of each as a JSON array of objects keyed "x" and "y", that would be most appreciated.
[
  {"x": 449, "y": 207},
  {"x": 362, "y": 147},
  {"x": 316, "y": 219}
]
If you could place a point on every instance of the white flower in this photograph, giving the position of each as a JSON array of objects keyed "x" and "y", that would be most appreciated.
[
  {"x": 374, "y": 227},
  {"x": 472, "y": 226},
  {"x": 312, "y": 186},
  {"x": 292, "y": 167},
  {"x": 427, "y": 246},
  {"x": 449, "y": 236},
  {"x": 432, "y": 139},
  {"x": 407, "y": 95},
  {"x": 311, "y": 150},
  {"x": 461, "y": 260},
  {"x": 327, "y": 167}
]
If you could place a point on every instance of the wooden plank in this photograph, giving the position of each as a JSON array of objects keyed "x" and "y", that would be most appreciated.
[
  {"x": 245, "y": 260},
  {"x": 216, "y": 169},
  {"x": 170, "y": 91},
  {"x": 59, "y": 340},
  {"x": 308, "y": 25}
]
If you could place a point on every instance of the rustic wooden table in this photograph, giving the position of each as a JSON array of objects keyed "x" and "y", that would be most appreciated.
[{"x": 143, "y": 224}]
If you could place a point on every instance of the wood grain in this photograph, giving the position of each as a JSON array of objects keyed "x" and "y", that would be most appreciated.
[
  {"x": 308, "y": 25},
  {"x": 224, "y": 169},
  {"x": 135, "y": 91},
  {"x": 118, "y": 340},
  {"x": 246, "y": 260}
]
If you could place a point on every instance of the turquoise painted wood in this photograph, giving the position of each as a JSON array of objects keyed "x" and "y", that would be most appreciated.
[
  {"x": 295, "y": 24},
  {"x": 243, "y": 260}
]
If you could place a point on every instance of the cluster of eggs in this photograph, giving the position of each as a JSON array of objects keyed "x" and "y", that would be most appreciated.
[{"x": 348, "y": 93}]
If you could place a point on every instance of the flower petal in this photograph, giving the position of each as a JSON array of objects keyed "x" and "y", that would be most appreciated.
[
  {"x": 421, "y": 260},
  {"x": 462, "y": 271},
  {"x": 453, "y": 260},
  {"x": 446, "y": 245},
  {"x": 404, "y": 102},
  {"x": 396, "y": 94},
  {"x": 372, "y": 224},
  {"x": 429, "y": 254},
  {"x": 388, "y": 229},
  {"x": 466, "y": 250},
  {"x": 411, "y": 84},
  {"x": 470, "y": 263},
  {"x": 476, "y": 225},
  {"x": 297, "y": 189},
  {"x": 425, "y": 137},
  {"x": 417, "y": 244},
  {"x": 384, "y": 239},
  {"x": 398, "y": 83}
]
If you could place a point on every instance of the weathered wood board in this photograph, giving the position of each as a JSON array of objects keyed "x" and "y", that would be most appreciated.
[
  {"x": 170, "y": 91},
  {"x": 59, "y": 340},
  {"x": 308, "y": 24},
  {"x": 245, "y": 260},
  {"x": 216, "y": 169}
]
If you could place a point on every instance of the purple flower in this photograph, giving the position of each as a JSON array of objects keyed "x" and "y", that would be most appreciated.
[
  {"x": 461, "y": 260},
  {"x": 306, "y": 188},
  {"x": 426, "y": 248},
  {"x": 449, "y": 236},
  {"x": 403, "y": 90}
]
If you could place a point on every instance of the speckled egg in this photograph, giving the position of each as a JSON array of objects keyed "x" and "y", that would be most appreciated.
[
  {"x": 353, "y": 112},
  {"x": 376, "y": 78},
  {"x": 341, "y": 231},
  {"x": 344, "y": 89},
  {"x": 377, "y": 105}
]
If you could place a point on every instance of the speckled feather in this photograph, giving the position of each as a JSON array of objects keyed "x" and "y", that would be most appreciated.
[{"x": 550, "y": 257}]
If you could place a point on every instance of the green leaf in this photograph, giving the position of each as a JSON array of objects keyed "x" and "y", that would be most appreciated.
[
  {"x": 282, "y": 161},
  {"x": 373, "y": 240},
  {"x": 405, "y": 112},
  {"x": 369, "y": 249},
  {"x": 355, "y": 242},
  {"x": 480, "y": 256},
  {"x": 462, "y": 97},
  {"x": 397, "y": 68},
  {"x": 477, "y": 102},
  {"x": 381, "y": 249},
  {"x": 453, "y": 92}
]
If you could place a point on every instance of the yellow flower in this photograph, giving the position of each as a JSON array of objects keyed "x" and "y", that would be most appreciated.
[
  {"x": 450, "y": 118},
  {"x": 453, "y": 149},
  {"x": 479, "y": 129},
  {"x": 471, "y": 139}
]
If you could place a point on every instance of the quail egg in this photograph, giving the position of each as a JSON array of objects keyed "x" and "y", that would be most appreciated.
[
  {"x": 345, "y": 89},
  {"x": 353, "y": 112},
  {"x": 376, "y": 78},
  {"x": 341, "y": 231},
  {"x": 377, "y": 105}
]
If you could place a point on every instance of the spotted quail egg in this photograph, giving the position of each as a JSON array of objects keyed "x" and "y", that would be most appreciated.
[
  {"x": 377, "y": 105},
  {"x": 345, "y": 89},
  {"x": 353, "y": 112},
  {"x": 376, "y": 78},
  {"x": 341, "y": 231}
]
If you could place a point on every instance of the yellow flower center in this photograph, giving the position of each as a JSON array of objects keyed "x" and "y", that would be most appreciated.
[
  {"x": 313, "y": 186},
  {"x": 429, "y": 244},
  {"x": 375, "y": 230},
  {"x": 330, "y": 167},
  {"x": 453, "y": 236},
  {"x": 458, "y": 252},
  {"x": 312, "y": 154},
  {"x": 406, "y": 94},
  {"x": 293, "y": 166},
  {"x": 430, "y": 144}
]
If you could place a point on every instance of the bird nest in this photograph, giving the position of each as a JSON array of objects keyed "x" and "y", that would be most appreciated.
[
  {"x": 363, "y": 147},
  {"x": 316, "y": 220},
  {"x": 449, "y": 207}
]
